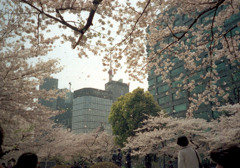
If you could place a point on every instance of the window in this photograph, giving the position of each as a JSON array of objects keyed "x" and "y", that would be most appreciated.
[
  {"x": 153, "y": 92},
  {"x": 175, "y": 60},
  {"x": 159, "y": 79},
  {"x": 177, "y": 71},
  {"x": 177, "y": 22},
  {"x": 224, "y": 80},
  {"x": 180, "y": 107},
  {"x": 168, "y": 110},
  {"x": 164, "y": 99},
  {"x": 151, "y": 72},
  {"x": 163, "y": 88},
  {"x": 236, "y": 76},
  {"x": 151, "y": 82},
  {"x": 181, "y": 94},
  {"x": 176, "y": 83},
  {"x": 221, "y": 66},
  {"x": 198, "y": 89},
  {"x": 196, "y": 76}
]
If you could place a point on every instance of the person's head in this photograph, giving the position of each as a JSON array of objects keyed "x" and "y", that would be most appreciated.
[
  {"x": 227, "y": 157},
  {"x": 182, "y": 141},
  {"x": 27, "y": 160}
]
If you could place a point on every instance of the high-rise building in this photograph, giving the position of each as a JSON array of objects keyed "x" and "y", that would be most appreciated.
[
  {"x": 62, "y": 104},
  {"x": 177, "y": 105},
  {"x": 91, "y": 107}
]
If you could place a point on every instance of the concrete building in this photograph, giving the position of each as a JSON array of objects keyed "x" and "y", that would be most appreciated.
[
  {"x": 91, "y": 107},
  {"x": 165, "y": 94}
]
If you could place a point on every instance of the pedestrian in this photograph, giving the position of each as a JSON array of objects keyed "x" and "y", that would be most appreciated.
[
  {"x": 187, "y": 156},
  {"x": 148, "y": 161},
  {"x": 119, "y": 158},
  {"x": 226, "y": 157},
  {"x": 9, "y": 164},
  {"x": 170, "y": 164},
  {"x": 4, "y": 165},
  {"x": 128, "y": 159},
  {"x": 27, "y": 160},
  {"x": 114, "y": 157}
]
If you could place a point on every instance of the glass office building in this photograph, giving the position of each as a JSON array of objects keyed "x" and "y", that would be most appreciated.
[
  {"x": 91, "y": 108},
  {"x": 229, "y": 77}
]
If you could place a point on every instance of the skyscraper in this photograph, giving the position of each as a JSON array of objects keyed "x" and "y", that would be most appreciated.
[{"x": 229, "y": 75}]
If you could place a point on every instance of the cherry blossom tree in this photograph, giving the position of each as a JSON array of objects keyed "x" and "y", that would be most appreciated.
[
  {"x": 226, "y": 130},
  {"x": 122, "y": 31},
  {"x": 119, "y": 31},
  {"x": 25, "y": 123},
  {"x": 159, "y": 134}
]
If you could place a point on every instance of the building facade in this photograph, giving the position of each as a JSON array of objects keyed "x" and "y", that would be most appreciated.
[
  {"x": 49, "y": 84},
  {"x": 177, "y": 105},
  {"x": 91, "y": 107},
  {"x": 64, "y": 105}
]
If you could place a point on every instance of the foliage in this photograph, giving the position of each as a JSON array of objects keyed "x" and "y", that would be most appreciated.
[
  {"x": 159, "y": 134},
  {"x": 128, "y": 112},
  {"x": 26, "y": 124},
  {"x": 205, "y": 39},
  {"x": 104, "y": 165}
]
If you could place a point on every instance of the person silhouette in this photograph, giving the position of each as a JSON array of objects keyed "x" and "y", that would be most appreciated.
[
  {"x": 187, "y": 156},
  {"x": 27, "y": 160},
  {"x": 226, "y": 157}
]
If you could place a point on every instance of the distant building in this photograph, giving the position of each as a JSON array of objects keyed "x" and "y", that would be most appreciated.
[
  {"x": 116, "y": 88},
  {"x": 61, "y": 104},
  {"x": 65, "y": 104},
  {"x": 49, "y": 84},
  {"x": 91, "y": 107}
]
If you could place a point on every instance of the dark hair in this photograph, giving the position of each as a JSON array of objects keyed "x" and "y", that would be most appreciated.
[
  {"x": 27, "y": 160},
  {"x": 182, "y": 141},
  {"x": 227, "y": 157}
]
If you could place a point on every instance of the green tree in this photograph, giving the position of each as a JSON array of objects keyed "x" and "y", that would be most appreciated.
[{"x": 129, "y": 111}]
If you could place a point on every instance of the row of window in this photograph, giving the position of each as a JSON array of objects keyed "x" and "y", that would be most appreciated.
[
  {"x": 90, "y": 112},
  {"x": 91, "y": 99},
  {"x": 82, "y": 106},
  {"x": 175, "y": 96},
  {"x": 88, "y": 124},
  {"x": 177, "y": 108}
]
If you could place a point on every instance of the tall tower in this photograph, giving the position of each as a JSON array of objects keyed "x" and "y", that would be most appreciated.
[{"x": 110, "y": 73}]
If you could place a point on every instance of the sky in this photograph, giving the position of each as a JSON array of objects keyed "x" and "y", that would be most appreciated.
[{"x": 85, "y": 72}]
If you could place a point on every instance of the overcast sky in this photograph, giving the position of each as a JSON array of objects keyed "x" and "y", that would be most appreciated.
[{"x": 85, "y": 72}]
